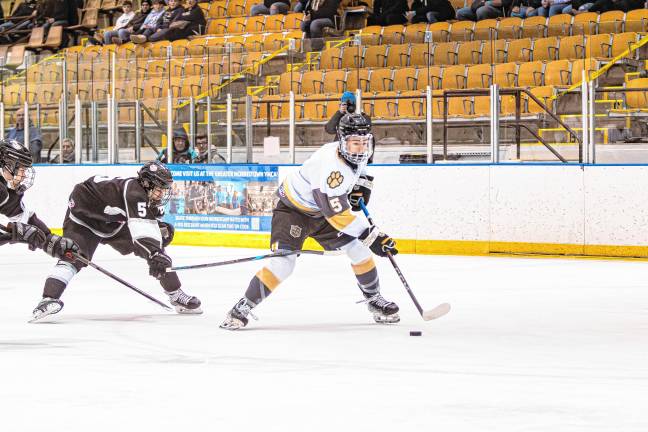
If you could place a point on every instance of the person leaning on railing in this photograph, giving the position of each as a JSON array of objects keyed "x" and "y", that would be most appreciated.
[{"x": 23, "y": 18}]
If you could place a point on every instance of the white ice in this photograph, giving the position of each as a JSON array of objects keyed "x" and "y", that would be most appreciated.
[{"x": 530, "y": 345}]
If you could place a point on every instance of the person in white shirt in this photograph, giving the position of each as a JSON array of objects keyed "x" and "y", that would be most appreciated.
[
  {"x": 322, "y": 200},
  {"x": 122, "y": 21}
]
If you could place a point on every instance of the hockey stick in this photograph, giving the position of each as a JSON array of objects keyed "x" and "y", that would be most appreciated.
[
  {"x": 256, "y": 258},
  {"x": 115, "y": 277},
  {"x": 428, "y": 315}
]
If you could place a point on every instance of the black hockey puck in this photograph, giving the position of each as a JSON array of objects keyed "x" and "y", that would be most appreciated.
[{"x": 416, "y": 333}]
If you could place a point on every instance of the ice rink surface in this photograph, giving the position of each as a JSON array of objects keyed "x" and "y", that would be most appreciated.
[{"x": 530, "y": 345}]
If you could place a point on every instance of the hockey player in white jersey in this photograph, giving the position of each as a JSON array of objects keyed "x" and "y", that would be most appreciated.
[{"x": 321, "y": 200}]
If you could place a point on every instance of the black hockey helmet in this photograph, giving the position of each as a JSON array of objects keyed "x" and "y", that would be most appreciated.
[
  {"x": 153, "y": 175},
  {"x": 355, "y": 125},
  {"x": 16, "y": 160}
]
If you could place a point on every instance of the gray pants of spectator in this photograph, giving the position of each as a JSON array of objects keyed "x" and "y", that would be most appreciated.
[
  {"x": 111, "y": 34},
  {"x": 276, "y": 8},
  {"x": 299, "y": 7},
  {"x": 484, "y": 12},
  {"x": 315, "y": 28}
]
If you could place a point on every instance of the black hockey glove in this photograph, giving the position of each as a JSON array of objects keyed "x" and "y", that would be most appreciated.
[
  {"x": 379, "y": 243},
  {"x": 167, "y": 232},
  {"x": 158, "y": 263},
  {"x": 61, "y": 247},
  {"x": 25, "y": 233},
  {"x": 362, "y": 189}
]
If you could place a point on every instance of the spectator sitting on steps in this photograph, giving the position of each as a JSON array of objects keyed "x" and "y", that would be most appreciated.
[{"x": 163, "y": 28}]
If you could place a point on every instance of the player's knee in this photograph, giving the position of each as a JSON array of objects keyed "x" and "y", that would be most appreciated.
[
  {"x": 282, "y": 267},
  {"x": 168, "y": 232},
  {"x": 357, "y": 252},
  {"x": 64, "y": 271}
]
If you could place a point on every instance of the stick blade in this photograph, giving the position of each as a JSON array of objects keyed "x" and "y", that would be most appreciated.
[{"x": 437, "y": 312}]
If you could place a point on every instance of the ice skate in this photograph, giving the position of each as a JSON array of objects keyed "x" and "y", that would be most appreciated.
[
  {"x": 384, "y": 311},
  {"x": 47, "y": 306},
  {"x": 237, "y": 317},
  {"x": 184, "y": 303}
]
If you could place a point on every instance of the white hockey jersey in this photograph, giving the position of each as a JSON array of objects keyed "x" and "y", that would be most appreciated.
[{"x": 320, "y": 187}]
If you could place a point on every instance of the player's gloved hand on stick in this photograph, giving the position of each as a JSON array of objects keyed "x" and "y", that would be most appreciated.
[
  {"x": 158, "y": 263},
  {"x": 25, "y": 233},
  {"x": 379, "y": 243},
  {"x": 61, "y": 247},
  {"x": 361, "y": 190}
]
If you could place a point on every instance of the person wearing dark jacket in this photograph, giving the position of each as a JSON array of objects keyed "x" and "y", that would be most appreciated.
[
  {"x": 188, "y": 22},
  {"x": 171, "y": 14},
  {"x": 318, "y": 15},
  {"x": 271, "y": 7},
  {"x": 417, "y": 11},
  {"x": 483, "y": 9},
  {"x": 347, "y": 106},
  {"x": 54, "y": 13},
  {"x": 123, "y": 34},
  {"x": 388, "y": 12},
  {"x": 23, "y": 18},
  {"x": 601, "y": 6}
]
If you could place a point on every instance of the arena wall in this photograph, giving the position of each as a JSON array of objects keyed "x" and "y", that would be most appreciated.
[{"x": 597, "y": 210}]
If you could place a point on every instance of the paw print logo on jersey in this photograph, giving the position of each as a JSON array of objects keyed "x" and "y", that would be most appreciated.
[{"x": 335, "y": 179}]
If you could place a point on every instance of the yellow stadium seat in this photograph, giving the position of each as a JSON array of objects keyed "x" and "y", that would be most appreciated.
[
  {"x": 530, "y": 74},
  {"x": 445, "y": 53},
  {"x": 393, "y": 34},
  {"x": 192, "y": 86},
  {"x": 374, "y": 56},
  {"x": 273, "y": 41},
  {"x": 622, "y": 42},
  {"x": 479, "y": 76},
  {"x": 411, "y": 108},
  {"x": 544, "y": 94},
  {"x": 481, "y": 106},
  {"x": 559, "y": 25},
  {"x": 637, "y": 99},
  {"x": 289, "y": 81},
  {"x": 404, "y": 79},
  {"x": 589, "y": 65},
  {"x": 352, "y": 56},
  {"x": 494, "y": 51},
  {"x": 486, "y": 29},
  {"x": 571, "y": 47},
  {"x": 254, "y": 42},
  {"x": 461, "y": 30},
  {"x": 334, "y": 81},
  {"x": 357, "y": 78},
  {"x": 217, "y": 26},
  {"x": 420, "y": 55},
  {"x": 598, "y": 46},
  {"x": 534, "y": 27},
  {"x": 331, "y": 58},
  {"x": 381, "y": 80},
  {"x": 439, "y": 32},
  {"x": 315, "y": 110},
  {"x": 415, "y": 33},
  {"x": 235, "y": 25},
  {"x": 398, "y": 55},
  {"x": 256, "y": 24},
  {"x": 585, "y": 23},
  {"x": 370, "y": 35},
  {"x": 293, "y": 21},
  {"x": 429, "y": 76},
  {"x": 505, "y": 74},
  {"x": 469, "y": 52},
  {"x": 636, "y": 21},
  {"x": 274, "y": 23},
  {"x": 558, "y": 73},
  {"x": 611, "y": 22},
  {"x": 519, "y": 50},
  {"x": 217, "y": 9},
  {"x": 545, "y": 49},
  {"x": 236, "y": 7},
  {"x": 509, "y": 28},
  {"x": 312, "y": 82},
  {"x": 454, "y": 77},
  {"x": 386, "y": 108}
]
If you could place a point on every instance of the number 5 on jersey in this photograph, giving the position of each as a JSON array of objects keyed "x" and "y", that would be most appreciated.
[
  {"x": 141, "y": 209},
  {"x": 335, "y": 204}
]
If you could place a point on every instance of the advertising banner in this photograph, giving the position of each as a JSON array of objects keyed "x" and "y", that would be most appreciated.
[{"x": 222, "y": 198}]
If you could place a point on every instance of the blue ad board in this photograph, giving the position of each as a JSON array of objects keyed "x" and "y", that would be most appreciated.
[{"x": 222, "y": 197}]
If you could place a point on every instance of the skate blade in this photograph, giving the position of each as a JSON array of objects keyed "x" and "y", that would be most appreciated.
[
  {"x": 437, "y": 312},
  {"x": 232, "y": 325},
  {"x": 184, "y": 311},
  {"x": 44, "y": 314},
  {"x": 387, "y": 319}
]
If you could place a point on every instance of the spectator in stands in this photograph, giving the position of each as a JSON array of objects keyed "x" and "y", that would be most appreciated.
[
  {"x": 202, "y": 149},
  {"x": 162, "y": 29},
  {"x": 123, "y": 21},
  {"x": 150, "y": 25},
  {"x": 123, "y": 34},
  {"x": 483, "y": 9},
  {"x": 22, "y": 19},
  {"x": 554, "y": 7},
  {"x": 417, "y": 11},
  {"x": 525, "y": 8},
  {"x": 300, "y": 6},
  {"x": 388, "y": 12},
  {"x": 67, "y": 153},
  {"x": 182, "y": 151},
  {"x": 271, "y": 7},
  {"x": 318, "y": 15},
  {"x": 347, "y": 106},
  {"x": 601, "y": 6},
  {"x": 18, "y": 133},
  {"x": 54, "y": 13}
]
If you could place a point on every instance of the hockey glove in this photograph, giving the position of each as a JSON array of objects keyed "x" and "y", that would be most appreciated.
[
  {"x": 167, "y": 232},
  {"x": 379, "y": 243},
  {"x": 361, "y": 190},
  {"x": 25, "y": 233},
  {"x": 61, "y": 247},
  {"x": 158, "y": 263}
]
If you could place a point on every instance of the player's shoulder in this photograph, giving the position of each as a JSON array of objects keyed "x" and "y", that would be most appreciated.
[
  {"x": 4, "y": 192},
  {"x": 133, "y": 189}
]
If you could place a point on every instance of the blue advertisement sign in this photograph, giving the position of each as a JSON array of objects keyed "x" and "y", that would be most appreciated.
[{"x": 222, "y": 197}]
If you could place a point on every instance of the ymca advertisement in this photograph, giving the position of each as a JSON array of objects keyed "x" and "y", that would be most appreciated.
[{"x": 222, "y": 198}]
